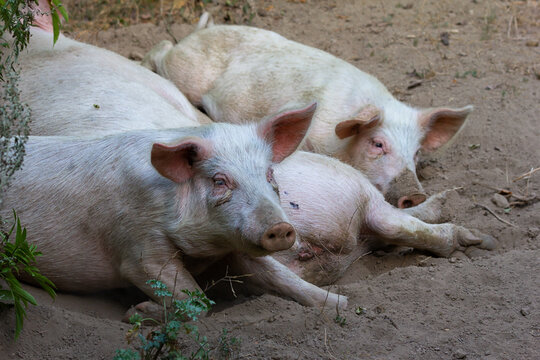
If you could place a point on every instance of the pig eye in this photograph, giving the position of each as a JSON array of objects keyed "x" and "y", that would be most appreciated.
[
  {"x": 378, "y": 147},
  {"x": 220, "y": 181}
]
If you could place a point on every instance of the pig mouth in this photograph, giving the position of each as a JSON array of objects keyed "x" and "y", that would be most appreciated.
[{"x": 308, "y": 252}]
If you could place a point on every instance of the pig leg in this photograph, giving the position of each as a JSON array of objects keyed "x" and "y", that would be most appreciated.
[
  {"x": 399, "y": 228},
  {"x": 170, "y": 271},
  {"x": 269, "y": 274}
]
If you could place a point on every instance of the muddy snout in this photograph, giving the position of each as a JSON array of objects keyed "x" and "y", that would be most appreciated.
[
  {"x": 409, "y": 201},
  {"x": 280, "y": 236},
  {"x": 405, "y": 190}
]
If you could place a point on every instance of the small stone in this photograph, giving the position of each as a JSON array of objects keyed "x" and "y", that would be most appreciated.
[
  {"x": 500, "y": 201},
  {"x": 532, "y": 43},
  {"x": 445, "y": 38},
  {"x": 460, "y": 354},
  {"x": 525, "y": 311},
  {"x": 452, "y": 260}
]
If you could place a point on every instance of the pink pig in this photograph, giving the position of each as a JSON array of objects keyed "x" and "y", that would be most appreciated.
[
  {"x": 241, "y": 72},
  {"x": 334, "y": 209},
  {"x": 126, "y": 208}
]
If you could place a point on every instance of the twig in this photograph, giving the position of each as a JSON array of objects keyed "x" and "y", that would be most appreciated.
[
  {"x": 326, "y": 346},
  {"x": 496, "y": 216},
  {"x": 526, "y": 174},
  {"x": 506, "y": 192}
]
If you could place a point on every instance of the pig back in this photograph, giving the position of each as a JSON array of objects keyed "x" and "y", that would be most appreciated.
[{"x": 75, "y": 88}]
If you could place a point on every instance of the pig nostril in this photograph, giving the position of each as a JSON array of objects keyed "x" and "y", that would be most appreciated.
[
  {"x": 407, "y": 204},
  {"x": 271, "y": 236},
  {"x": 410, "y": 201},
  {"x": 289, "y": 234}
]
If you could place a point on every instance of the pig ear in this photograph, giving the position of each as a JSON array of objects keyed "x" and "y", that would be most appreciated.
[
  {"x": 286, "y": 131},
  {"x": 441, "y": 124},
  {"x": 175, "y": 162},
  {"x": 368, "y": 117}
]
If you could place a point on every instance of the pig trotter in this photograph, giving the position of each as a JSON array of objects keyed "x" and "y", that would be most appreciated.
[{"x": 149, "y": 311}]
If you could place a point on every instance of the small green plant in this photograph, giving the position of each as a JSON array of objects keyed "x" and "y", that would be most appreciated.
[
  {"x": 340, "y": 320},
  {"x": 17, "y": 257},
  {"x": 162, "y": 341},
  {"x": 473, "y": 73},
  {"x": 228, "y": 346}
]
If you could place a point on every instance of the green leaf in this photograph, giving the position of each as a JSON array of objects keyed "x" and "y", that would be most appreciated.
[{"x": 56, "y": 26}]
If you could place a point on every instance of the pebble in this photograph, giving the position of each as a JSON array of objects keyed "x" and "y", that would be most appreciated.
[
  {"x": 525, "y": 311},
  {"x": 460, "y": 354},
  {"x": 500, "y": 201}
]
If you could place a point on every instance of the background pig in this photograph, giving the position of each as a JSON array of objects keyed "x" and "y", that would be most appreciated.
[
  {"x": 240, "y": 72},
  {"x": 334, "y": 209},
  {"x": 76, "y": 88},
  {"x": 125, "y": 208}
]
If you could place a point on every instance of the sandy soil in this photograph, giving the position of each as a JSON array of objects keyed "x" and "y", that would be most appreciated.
[{"x": 417, "y": 306}]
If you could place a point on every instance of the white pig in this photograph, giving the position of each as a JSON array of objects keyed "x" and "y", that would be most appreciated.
[
  {"x": 334, "y": 209},
  {"x": 123, "y": 209},
  {"x": 240, "y": 72}
]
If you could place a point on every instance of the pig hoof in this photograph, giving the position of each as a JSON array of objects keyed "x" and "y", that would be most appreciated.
[
  {"x": 487, "y": 242},
  {"x": 149, "y": 310}
]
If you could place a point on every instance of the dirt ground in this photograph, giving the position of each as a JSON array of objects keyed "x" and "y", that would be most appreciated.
[{"x": 416, "y": 306}]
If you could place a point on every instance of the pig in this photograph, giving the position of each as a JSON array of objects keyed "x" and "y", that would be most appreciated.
[
  {"x": 119, "y": 210},
  {"x": 241, "y": 72},
  {"x": 335, "y": 209},
  {"x": 74, "y": 88}
]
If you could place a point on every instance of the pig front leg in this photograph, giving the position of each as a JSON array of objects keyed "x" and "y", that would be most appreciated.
[
  {"x": 399, "y": 228},
  {"x": 170, "y": 271},
  {"x": 269, "y": 274}
]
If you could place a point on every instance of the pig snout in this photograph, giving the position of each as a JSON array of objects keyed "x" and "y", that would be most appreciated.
[
  {"x": 409, "y": 201},
  {"x": 405, "y": 190},
  {"x": 280, "y": 236}
]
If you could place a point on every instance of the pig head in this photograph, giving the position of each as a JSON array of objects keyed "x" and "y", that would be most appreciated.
[{"x": 384, "y": 143}]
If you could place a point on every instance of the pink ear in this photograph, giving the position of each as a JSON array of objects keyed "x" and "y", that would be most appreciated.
[
  {"x": 286, "y": 131},
  {"x": 441, "y": 125},
  {"x": 367, "y": 118},
  {"x": 175, "y": 162}
]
